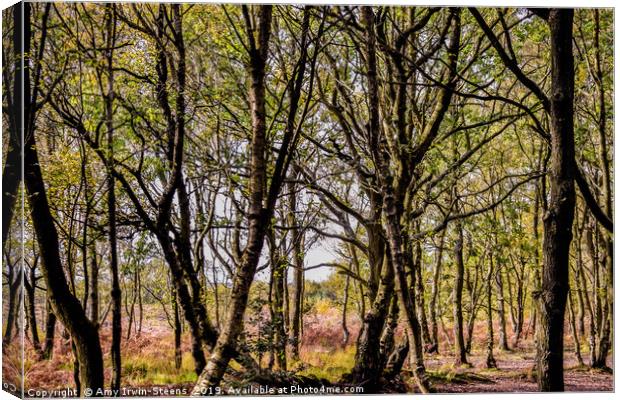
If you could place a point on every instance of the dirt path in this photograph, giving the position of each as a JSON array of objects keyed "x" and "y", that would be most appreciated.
[{"x": 512, "y": 375}]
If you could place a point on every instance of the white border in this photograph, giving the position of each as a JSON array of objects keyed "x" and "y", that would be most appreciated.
[{"x": 480, "y": 3}]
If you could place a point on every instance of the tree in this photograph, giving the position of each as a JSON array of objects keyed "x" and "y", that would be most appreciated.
[
  {"x": 64, "y": 304},
  {"x": 561, "y": 205}
]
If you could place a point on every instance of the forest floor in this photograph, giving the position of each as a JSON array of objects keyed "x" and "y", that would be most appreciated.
[
  {"x": 148, "y": 362},
  {"x": 513, "y": 374}
]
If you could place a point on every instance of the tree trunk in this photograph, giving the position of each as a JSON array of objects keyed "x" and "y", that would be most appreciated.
[
  {"x": 65, "y": 305},
  {"x": 14, "y": 283},
  {"x": 50, "y": 330},
  {"x": 499, "y": 282},
  {"x": 12, "y": 171},
  {"x": 561, "y": 205},
  {"x": 434, "y": 294},
  {"x": 178, "y": 356},
  {"x": 278, "y": 266},
  {"x": 115, "y": 293},
  {"x": 298, "y": 274},
  {"x": 421, "y": 307},
  {"x": 259, "y": 217},
  {"x": 345, "y": 303},
  {"x": 573, "y": 327},
  {"x": 490, "y": 361},
  {"x": 31, "y": 315},
  {"x": 396, "y": 359},
  {"x": 93, "y": 292},
  {"x": 367, "y": 367},
  {"x": 459, "y": 342}
]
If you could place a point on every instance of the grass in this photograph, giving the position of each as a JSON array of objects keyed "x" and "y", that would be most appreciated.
[
  {"x": 141, "y": 370},
  {"x": 327, "y": 365},
  {"x": 446, "y": 375}
]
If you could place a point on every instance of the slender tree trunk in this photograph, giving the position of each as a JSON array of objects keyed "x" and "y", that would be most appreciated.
[
  {"x": 115, "y": 292},
  {"x": 499, "y": 284},
  {"x": 298, "y": 274},
  {"x": 178, "y": 356},
  {"x": 573, "y": 327},
  {"x": 490, "y": 361},
  {"x": 50, "y": 332},
  {"x": 459, "y": 343},
  {"x": 131, "y": 310},
  {"x": 434, "y": 294},
  {"x": 345, "y": 303},
  {"x": 93, "y": 292},
  {"x": 426, "y": 336},
  {"x": 278, "y": 266},
  {"x": 30, "y": 288},
  {"x": 561, "y": 205},
  {"x": 140, "y": 305},
  {"x": 14, "y": 283}
]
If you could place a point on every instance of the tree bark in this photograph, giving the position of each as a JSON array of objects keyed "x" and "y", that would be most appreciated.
[
  {"x": 65, "y": 305},
  {"x": 459, "y": 342},
  {"x": 434, "y": 348},
  {"x": 367, "y": 367},
  {"x": 499, "y": 283},
  {"x": 14, "y": 283},
  {"x": 278, "y": 265},
  {"x": 298, "y": 274},
  {"x": 50, "y": 332},
  {"x": 561, "y": 205},
  {"x": 178, "y": 356},
  {"x": 115, "y": 293},
  {"x": 12, "y": 171},
  {"x": 490, "y": 361},
  {"x": 31, "y": 315},
  {"x": 421, "y": 307}
]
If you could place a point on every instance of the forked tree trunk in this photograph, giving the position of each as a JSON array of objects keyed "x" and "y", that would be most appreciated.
[
  {"x": 558, "y": 220},
  {"x": 258, "y": 216},
  {"x": 368, "y": 356},
  {"x": 368, "y": 365}
]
